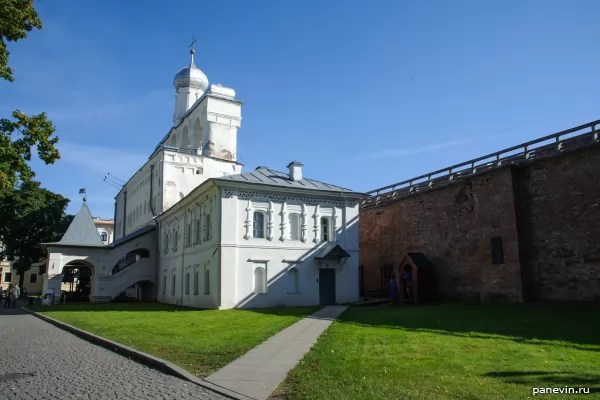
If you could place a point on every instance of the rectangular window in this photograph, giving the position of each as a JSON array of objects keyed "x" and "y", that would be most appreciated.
[
  {"x": 325, "y": 229},
  {"x": 195, "y": 233},
  {"x": 497, "y": 250},
  {"x": 173, "y": 286},
  {"x": 258, "y": 225},
  {"x": 196, "y": 283},
  {"x": 33, "y": 278},
  {"x": 208, "y": 228},
  {"x": 199, "y": 230},
  {"x": 188, "y": 238},
  {"x": 294, "y": 221},
  {"x": 206, "y": 281},
  {"x": 187, "y": 283},
  {"x": 7, "y": 277},
  {"x": 165, "y": 285}
]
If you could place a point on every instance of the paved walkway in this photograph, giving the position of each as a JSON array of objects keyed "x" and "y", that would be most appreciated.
[
  {"x": 258, "y": 373},
  {"x": 39, "y": 361}
]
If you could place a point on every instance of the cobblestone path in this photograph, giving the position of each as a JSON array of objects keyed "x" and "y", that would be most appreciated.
[{"x": 39, "y": 361}]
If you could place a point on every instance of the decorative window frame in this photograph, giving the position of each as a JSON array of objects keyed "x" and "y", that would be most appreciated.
[{"x": 267, "y": 209}]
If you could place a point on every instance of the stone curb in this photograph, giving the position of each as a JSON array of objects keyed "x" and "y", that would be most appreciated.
[{"x": 144, "y": 358}]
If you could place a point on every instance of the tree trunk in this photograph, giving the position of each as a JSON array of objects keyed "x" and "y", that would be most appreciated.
[{"x": 22, "y": 267}]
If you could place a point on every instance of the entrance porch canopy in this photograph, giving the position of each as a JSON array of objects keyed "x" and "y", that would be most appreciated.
[{"x": 331, "y": 251}]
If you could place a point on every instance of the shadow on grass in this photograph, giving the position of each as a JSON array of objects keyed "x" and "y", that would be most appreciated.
[
  {"x": 151, "y": 307},
  {"x": 549, "y": 379},
  {"x": 573, "y": 325},
  {"x": 90, "y": 307}
]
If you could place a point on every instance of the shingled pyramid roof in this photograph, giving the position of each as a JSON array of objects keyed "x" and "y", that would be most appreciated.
[{"x": 82, "y": 231}]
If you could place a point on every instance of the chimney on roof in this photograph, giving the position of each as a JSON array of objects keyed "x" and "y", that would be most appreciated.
[{"x": 295, "y": 168}]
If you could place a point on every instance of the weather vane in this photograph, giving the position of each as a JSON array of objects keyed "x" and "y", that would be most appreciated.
[{"x": 192, "y": 47}]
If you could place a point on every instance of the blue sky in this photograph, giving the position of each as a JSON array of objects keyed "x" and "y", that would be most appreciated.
[{"x": 365, "y": 94}]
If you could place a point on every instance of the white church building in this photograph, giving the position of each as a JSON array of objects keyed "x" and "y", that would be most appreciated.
[{"x": 191, "y": 228}]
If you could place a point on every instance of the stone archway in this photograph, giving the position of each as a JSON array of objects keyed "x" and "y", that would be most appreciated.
[{"x": 77, "y": 281}]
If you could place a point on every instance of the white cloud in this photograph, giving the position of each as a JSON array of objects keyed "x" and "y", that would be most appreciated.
[
  {"x": 110, "y": 110},
  {"x": 102, "y": 160},
  {"x": 409, "y": 151}
]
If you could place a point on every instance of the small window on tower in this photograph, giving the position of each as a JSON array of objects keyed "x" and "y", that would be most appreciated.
[{"x": 497, "y": 250}]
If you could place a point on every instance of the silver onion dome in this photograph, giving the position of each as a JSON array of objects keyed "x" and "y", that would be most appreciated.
[{"x": 191, "y": 76}]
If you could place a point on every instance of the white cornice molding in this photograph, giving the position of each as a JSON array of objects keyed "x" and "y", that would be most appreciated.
[{"x": 221, "y": 182}]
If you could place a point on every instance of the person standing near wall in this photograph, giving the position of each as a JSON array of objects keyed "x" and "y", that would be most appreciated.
[{"x": 393, "y": 289}]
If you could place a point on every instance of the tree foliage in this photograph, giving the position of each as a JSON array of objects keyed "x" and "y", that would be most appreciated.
[
  {"x": 21, "y": 132},
  {"x": 31, "y": 215},
  {"x": 18, "y": 18}
]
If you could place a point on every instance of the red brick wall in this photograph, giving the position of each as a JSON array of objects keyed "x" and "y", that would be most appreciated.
[
  {"x": 558, "y": 204},
  {"x": 547, "y": 214}
]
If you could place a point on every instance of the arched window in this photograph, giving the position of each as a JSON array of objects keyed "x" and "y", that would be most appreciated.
[
  {"x": 259, "y": 224},
  {"x": 104, "y": 236},
  {"x": 293, "y": 280},
  {"x": 207, "y": 281},
  {"x": 260, "y": 280},
  {"x": 196, "y": 282},
  {"x": 294, "y": 220},
  {"x": 187, "y": 283}
]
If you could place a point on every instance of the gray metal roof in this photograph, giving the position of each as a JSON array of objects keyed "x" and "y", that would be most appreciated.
[
  {"x": 266, "y": 176},
  {"x": 332, "y": 251},
  {"x": 133, "y": 235},
  {"x": 82, "y": 231}
]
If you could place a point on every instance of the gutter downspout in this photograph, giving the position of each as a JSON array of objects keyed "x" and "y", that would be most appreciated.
[
  {"x": 220, "y": 240},
  {"x": 157, "y": 252},
  {"x": 114, "y": 233},
  {"x": 183, "y": 253},
  {"x": 124, "y": 211},
  {"x": 344, "y": 219}
]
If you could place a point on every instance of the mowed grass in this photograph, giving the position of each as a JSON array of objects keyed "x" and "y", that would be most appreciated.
[
  {"x": 452, "y": 351},
  {"x": 200, "y": 341}
]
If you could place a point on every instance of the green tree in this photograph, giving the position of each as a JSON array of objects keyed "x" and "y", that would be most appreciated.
[
  {"x": 31, "y": 215},
  {"x": 21, "y": 132}
]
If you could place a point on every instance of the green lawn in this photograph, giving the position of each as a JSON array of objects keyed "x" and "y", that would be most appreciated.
[
  {"x": 200, "y": 341},
  {"x": 454, "y": 351}
]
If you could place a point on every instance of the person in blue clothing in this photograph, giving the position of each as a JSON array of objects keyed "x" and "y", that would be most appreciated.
[
  {"x": 393, "y": 289},
  {"x": 408, "y": 283}
]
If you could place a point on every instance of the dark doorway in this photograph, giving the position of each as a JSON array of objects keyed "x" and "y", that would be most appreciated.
[{"x": 326, "y": 286}]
